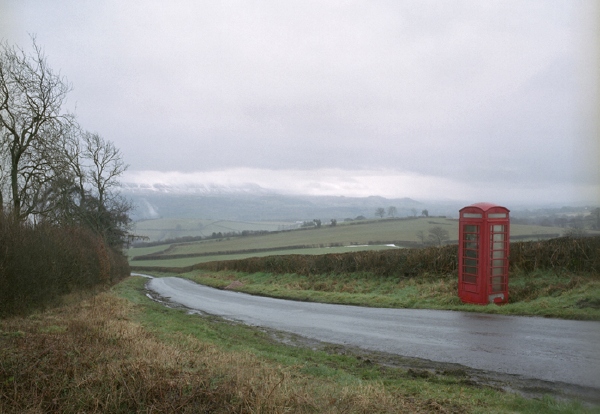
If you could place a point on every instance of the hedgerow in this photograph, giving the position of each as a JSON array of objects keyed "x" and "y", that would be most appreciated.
[
  {"x": 577, "y": 254},
  {"x": 40, "y": 263}
]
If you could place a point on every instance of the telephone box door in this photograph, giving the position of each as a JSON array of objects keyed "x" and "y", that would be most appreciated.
[{"x": 498, "y": 267}]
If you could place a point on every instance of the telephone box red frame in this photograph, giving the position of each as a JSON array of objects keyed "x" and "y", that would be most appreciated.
[{"x": 483, "y": 249}]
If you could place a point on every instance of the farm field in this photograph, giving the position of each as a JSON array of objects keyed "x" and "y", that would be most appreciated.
[
  {"x": 365, "y": 235},
  {"x": 189, "y": 261},
  {"x": 170, "y": 228}
]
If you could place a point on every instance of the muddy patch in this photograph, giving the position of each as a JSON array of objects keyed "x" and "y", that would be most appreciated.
[{"x": 235, "y": 285}]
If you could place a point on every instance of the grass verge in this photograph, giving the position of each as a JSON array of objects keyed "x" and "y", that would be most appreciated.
[
  {"x": 121, "y": 352},
  {"x": 548, "y": 293}
]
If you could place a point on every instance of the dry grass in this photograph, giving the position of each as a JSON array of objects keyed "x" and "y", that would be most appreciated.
[{"x": 91, "y": 357}]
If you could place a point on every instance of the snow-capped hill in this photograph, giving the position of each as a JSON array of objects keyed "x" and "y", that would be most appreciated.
[{"x": 191, "y": 189}]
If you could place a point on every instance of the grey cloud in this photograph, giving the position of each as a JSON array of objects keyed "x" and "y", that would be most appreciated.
[{"x": 472, "y": 91}]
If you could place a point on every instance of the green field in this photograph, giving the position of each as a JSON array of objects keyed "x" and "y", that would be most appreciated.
[
  {"x": 362, "y": 235},
  {"x": 171, "y": 228},
  {"x": 189, "y": 261}
]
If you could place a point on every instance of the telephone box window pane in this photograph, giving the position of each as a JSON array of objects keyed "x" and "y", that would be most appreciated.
[
  {"x": 471, "y": 229},
  {"x": 499, "y": 246},
  {"x": 471, "y": 270},
  {"x": 497, "y": 283},
  {"x": 472, "y": 215},
  {"x": 471, "y": 253},
  {"x": 497, "y": 215},
  {"x": 498, "y": 237},
  {"x": 471, "y": 242},
  {"x": 498, "y": 228},
  {"x": 469, "y": 279},
  {"x": 470, "y": 262},
  {"x": 498, "y": 254},
  {"x": 497, "y": 271},
  {"x": 498, "y": 262}
]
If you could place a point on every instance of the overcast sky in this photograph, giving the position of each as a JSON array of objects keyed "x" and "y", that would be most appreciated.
[{"x": 435, "y": 100}]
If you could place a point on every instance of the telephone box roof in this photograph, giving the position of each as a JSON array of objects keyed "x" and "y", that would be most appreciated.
[{"x": 483, "y": 206}]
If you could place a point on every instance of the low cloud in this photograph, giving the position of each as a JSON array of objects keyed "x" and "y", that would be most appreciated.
[{"x": 362, "y": 183}]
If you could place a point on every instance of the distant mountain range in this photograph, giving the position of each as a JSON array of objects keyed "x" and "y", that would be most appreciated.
[
  {"x": 253, "y": 203},
  {"x": 195, "y": 189}
]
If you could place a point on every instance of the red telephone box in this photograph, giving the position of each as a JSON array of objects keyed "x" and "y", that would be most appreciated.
[{"x": 483, "y": 243}]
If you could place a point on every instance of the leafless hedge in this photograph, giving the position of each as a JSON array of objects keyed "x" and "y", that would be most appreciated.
[
  {"x": 567, "y": 253},
  {"x": 39, "y": 263}
]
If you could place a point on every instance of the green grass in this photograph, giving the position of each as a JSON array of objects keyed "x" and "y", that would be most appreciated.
[
  {"x": 189, "y": 261},
  {"x": 168, "y": 228},
  {"x": 139, "y": 251}
]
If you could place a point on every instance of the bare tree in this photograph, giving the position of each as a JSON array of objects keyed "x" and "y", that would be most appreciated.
[
  {"x": 31, "y": 121},
  {"x": 421, "y": 236},
  {"x": 110, "y": 215},
  {"x": 380, "y": 212},
  {"x": 86, "y": 188},
  {"x": 392, "y": 211},
  {"x": 438, "y": 235},
  {"x": 106, "y": 165}
]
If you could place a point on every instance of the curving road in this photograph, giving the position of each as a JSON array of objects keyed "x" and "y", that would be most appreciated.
[{"x": 545, "y": 349}]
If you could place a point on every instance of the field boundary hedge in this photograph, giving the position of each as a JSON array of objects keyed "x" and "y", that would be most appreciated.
[
  {"x": 164, "y": 254},
  {"x": 568, "y": 253}
]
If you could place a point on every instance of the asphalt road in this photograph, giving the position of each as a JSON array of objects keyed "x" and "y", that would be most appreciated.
[{"x": 545, "y": 349}]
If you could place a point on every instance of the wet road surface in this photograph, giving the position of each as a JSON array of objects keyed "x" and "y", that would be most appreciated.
[{"x": 546, "y": 349}]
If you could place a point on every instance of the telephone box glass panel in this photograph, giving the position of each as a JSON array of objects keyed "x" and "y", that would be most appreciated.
[
  {"x": 470, "y": 262},
  {"x": 498, "y": 258}
]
